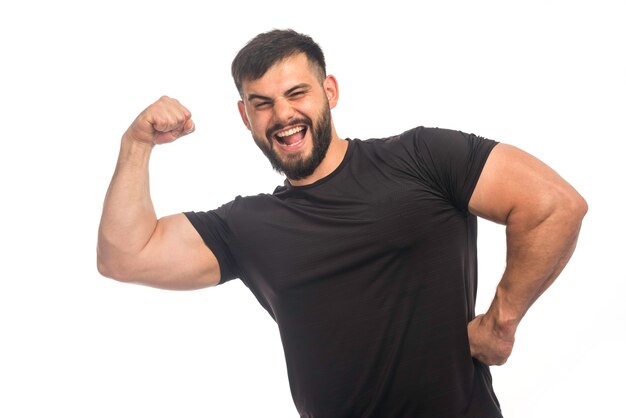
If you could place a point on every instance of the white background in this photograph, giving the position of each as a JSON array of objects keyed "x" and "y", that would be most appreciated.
[{"x": 546, "y": 76}]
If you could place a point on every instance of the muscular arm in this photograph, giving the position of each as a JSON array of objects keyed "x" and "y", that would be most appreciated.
[
  {"x": 543, "y": 215},
  {"x": 135, "y": 246}
]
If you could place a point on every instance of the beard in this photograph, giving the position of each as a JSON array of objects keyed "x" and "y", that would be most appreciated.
[{"x": 296, "y": 167}]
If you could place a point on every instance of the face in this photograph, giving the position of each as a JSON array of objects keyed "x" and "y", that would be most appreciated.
[{"x": 288, "y": 112}]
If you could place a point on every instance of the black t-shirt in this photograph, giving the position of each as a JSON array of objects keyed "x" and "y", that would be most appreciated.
[{"x": 370, "y": 274}]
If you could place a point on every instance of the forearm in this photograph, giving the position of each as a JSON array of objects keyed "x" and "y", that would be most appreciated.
[
  {"x": 128, "y": 216},
  {"x": 537, "y": 252}
]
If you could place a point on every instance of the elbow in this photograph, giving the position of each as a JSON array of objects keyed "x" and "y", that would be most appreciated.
[
  {"x": 568, "y": 210},
  {"x": 104, "y": 268},
  {"x": 113, "y": 262},
  {"x": 575, "y": 206},
  {"x": 562, "y": 209},
  {"x": 111, "y": 269}
]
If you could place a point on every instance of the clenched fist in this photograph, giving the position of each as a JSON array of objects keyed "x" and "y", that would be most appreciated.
[
  {"x": 163, "y": 121},
  {"x": 489, "y": 343}
]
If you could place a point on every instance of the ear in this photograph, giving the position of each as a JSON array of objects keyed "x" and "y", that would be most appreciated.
[
  {"x": 242, "y": 113},
  {"x": 331, "y": 88}
]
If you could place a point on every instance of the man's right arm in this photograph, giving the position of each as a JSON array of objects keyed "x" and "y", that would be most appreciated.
[{"x": 133, "y": 245}]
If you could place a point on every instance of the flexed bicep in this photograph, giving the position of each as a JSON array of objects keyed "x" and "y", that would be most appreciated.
[{"x": 175, "y": 258}]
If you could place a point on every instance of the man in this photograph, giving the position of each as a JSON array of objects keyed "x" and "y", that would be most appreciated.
[{"x": 366, "y": 257}]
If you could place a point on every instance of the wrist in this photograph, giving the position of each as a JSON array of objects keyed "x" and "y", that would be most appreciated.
[
  {"x": 131, "y": 140},
  {"x": 133, "y": 145},
  {"x": 503, "y": 315},
  {"x": 134, "y": 151}
]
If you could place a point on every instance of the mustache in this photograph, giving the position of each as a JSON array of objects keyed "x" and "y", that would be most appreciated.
[{"x": 269, "y": 133}]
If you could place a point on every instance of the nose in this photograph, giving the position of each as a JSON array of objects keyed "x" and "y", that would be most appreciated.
[{"x": 283, "y": 111}]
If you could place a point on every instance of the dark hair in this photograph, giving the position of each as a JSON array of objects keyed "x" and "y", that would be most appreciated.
[{"x": 268, "y": 48}]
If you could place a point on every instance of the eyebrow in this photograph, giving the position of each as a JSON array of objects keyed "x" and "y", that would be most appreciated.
[{"x": 288, "y": 92}]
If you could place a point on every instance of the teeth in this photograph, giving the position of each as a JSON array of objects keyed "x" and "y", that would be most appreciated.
[{"x": 289, "y": 131}]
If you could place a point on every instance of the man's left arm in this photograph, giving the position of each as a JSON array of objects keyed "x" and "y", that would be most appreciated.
[{"x": 543, "y": 215}]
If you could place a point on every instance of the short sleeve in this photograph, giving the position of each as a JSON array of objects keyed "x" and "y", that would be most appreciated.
[
  {"x": 213, "y": 228},
  {"x": 449, "y": 161}
]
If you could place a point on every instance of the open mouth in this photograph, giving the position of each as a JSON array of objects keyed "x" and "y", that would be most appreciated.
[{"x": 291, "y": 137}]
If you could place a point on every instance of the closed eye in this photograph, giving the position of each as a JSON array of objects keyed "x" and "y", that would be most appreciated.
[
  {"x": 262, "y": 105},
  {"x": 298, "y": 91}
]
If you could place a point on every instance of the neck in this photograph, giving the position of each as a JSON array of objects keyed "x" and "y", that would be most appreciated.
[{"x": 334, "y": 156}]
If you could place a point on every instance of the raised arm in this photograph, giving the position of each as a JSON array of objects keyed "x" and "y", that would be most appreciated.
[
  {"x": 133, "y": 246},
  {"x": 543, "y": 215}
]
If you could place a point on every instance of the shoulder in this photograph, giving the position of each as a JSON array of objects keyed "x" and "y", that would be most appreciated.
[
  {"x": 445, "y": 146},
  {"x": 423, "y": 138},
  {"x": 244, "y": 204},
  {"x": 240, "y": 206},
  {"x": 412, "y": 140},
  {"x": 405, "y": 147},
  {"x": 425, "y": 143}
]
